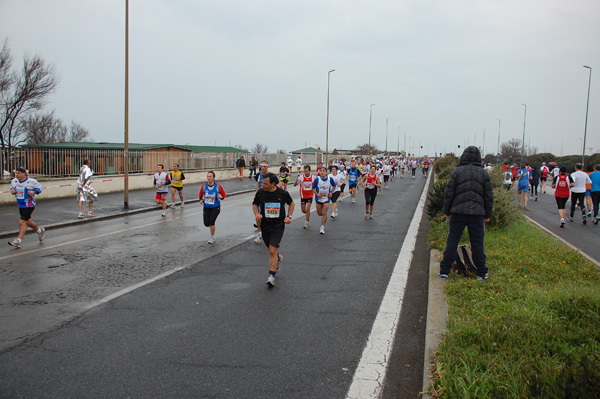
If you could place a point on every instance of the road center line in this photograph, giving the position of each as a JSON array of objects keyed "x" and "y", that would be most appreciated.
[{"x": 368, "y": 380}]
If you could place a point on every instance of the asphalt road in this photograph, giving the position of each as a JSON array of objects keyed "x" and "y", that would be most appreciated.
[
  {"x": 583, "y": 237},
  {"x": 142, "y": 306}
]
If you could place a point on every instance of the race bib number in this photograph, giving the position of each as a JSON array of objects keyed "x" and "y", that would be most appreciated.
[
  {"x": 159, "y": 186},
  {"x": 20, "y": 193},
  {"x": 272, "y": 210},
  {"x": 209, "y": 199},
  {"x": 307, "y": 186},
  {"x": 352, "y": 178}
]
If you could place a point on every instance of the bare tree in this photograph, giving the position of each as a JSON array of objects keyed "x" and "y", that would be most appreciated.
[
  {"x": 511, "y": 149},
  {"x": 364, "y": 149},
  {"x": 20, "y": 95},
  {"x": 78, "y": 133},
  {"x": 240, "y": 147},
  {"x": 260, "y": 149}
]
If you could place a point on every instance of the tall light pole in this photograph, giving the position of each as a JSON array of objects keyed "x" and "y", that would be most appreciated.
[
  {"x": 498, "y": 138},
  {"x": 126, "y": 141},
  {"x": 398, "y": 148},
  {"x": 586, "y": 116},
  {"x": 387, "y": 120},
  {"x": 370, "y": 121},
  {"x": 523, "y": 144},
  {"x": 327, "y": 127},
  {"x": 483, "y": 143}
]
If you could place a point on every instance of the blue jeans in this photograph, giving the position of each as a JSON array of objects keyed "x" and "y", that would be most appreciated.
[{"x": 475, "y": 224}]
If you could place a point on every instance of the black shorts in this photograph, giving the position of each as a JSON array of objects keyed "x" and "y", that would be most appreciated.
[
  {"x": 561, "y": 202},
  {"x": 177, "y": 188},
  {"x": 26, "y": 213},
  {"x": 335, "y": 196},
  {"x": 386, "y": 178},
  {"x": 352, "y": 185},
  {"x": 272, "y": 236},
  {"x": 370, "y": 194},
  {"x": 543, "y": 178},
  {"x": 342, "y": 187},
  {"x": 306, "y": 200},
  {"x": 210, "y": 215}
]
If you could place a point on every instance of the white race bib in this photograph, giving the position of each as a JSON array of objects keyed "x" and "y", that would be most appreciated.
[{"x": 272, "y": 209}]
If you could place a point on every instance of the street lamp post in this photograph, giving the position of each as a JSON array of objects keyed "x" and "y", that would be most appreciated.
[
  {"x": 523, "y": 144},
  {"x": 586, "y": 116},
  {"x": 370, "y": 121},
  {"x": 498, "y": 137},
  {"x": 327, "y": 127},
  {"x": 483, "y": 143},
  {"x": 387, "y": 120},
  {"x": 126, "y": 141}
]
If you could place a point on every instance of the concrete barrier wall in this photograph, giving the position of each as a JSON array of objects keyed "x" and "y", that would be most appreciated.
[{"x": 58, "y": 188}]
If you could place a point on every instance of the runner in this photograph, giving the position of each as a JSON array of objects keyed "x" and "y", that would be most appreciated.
[
  {"x": 25, "y": 189},
  {"x": 588, "y": 191},
  {"x": 507, "y": 179},
  {"x": 264, "y": 169},
  {"x": 426, "y": 164},
  {"x": 580, "y": 179},
  {"x": 269, "y": 211},
  {"x": 523, "y": 185},
  {"x": 306, "y": 193},
  {"x": 177, "y": 178},
  {"x": 284, "y": 176},
  {"x": 562, "y": 184},
  {"x": 386, "y": 170},
  {"x": 534, "y": 182},
  {"x": 402, "y": 167},
  {"x": 85, "y": 191},
  {"x": 595, "y": 191},
  {"x": 555, "y": 172},
  {"x": 413, "y": 168},
  {"x": 323, "y": 187},
  {"x": 544, "y": 171},
  {"x": 210, "y": 196},
  {"x": 353, "y": 174},
  {"x": 370, "y": 182},
  {"x": 298, "y": 165},
  {"x": 161, "y": 181},
  {"x": 343, "y": 173},
  {"x": 290, "y": 163}
]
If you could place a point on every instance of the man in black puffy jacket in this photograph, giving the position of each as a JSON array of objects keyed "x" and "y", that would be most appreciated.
[{"x": 468, "y": 202}]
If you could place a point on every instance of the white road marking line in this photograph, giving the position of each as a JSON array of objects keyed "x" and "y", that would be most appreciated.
[{"x": 369, "y": 377}]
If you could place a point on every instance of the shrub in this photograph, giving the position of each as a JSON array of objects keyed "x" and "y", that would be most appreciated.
[
  {"x": 435, "y": 203},
  {"x": 505, "y": 212}
]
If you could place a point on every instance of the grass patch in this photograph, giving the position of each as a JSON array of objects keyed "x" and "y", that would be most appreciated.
[{"x": 532, "y": 330}]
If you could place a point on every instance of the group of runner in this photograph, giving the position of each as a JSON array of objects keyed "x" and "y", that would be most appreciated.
[{"x": 583, "y": 188}]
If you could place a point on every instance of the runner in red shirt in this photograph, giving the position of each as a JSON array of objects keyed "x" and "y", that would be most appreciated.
[
  {"x": 306, "y": 192},
  {"x": 562, "y": 183}
]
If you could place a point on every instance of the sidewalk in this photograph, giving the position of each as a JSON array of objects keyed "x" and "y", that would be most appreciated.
[{"x": 61, "y": 212}]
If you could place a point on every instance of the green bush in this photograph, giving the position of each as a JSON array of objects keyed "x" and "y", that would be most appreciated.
[
  {"x": 505, "y": 212},
  {"x": 435, "y": 198}
]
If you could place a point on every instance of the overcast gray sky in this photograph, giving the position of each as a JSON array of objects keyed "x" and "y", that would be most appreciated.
[{"x": 248, "y": 71}]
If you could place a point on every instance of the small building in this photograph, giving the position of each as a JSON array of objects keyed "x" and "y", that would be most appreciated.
[{"x": 310, "y": 155}]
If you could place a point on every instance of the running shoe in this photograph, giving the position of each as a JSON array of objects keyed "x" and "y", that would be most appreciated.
[
  {"x": 322, "y": 230},
  {"x": 306, "y": 225},
  {"x": 90, "y": 213},
  {"x": 353, "y": 200},
  {"x": 584, "y": 219},
  {"x": 182, "y": 204},
  {"x": 80, "y": 216},
  {"x": 211, "y": 240},
  {"x": 41, "y": 233},
  {"x": 366, "y": 216},
  {"x": 163, "y": 214},
  {"x": 341, "y": 199},
  {"x": 562, "y": 223},
  {"x": 279, "y": 259},
  {"x": 589, "y": 213},
  {"x": 333, "y": 215},
  {"x": 570, "y": 218},
  {"x": 172, "y": 205},
  {"x": 271, "y": 281},
  {"x": 15, "y": 243},
  {"x": 443, "y": 275},
  {"x": 258, "y": 239},
  {"x": 536, "y": 197},
  {"x": 595, "y": 220}
]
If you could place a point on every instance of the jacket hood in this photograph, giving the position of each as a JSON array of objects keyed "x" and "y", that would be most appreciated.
[{"x": 470, "y": 156}]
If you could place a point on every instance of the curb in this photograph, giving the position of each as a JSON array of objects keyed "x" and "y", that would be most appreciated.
[
  {"x": 437, "y": 318},
  {"x": 9, "y": 234}
]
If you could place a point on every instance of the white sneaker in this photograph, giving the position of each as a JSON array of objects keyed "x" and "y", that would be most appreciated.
[
  {"x": 341, "y": 199},
  {"x": 279, "y": 259},
  {"x": 211, "y": 240},
  {"x": 80, "y": 216},
  {"x": 182, "y": 204},
  {"x": 322, "y": 230},
  {"x": 371, "y": 216},
  {"x": 366, "y": 216},
  {"x": 353, "y": 200},
  {"x": 163, "y": 214},
  {"x": 41, "y": 233},
  {"x": 333, "y": 215},
  {"x": 172, "y": 205},
  {"x": 271, "y": 281},
  {"x": 306, "y": 225},
  {"x": 258, "y": 238},
  {"x": 15, "y": 243}
]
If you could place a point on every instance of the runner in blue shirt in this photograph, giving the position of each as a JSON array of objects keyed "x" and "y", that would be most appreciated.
[{"x": 523, "y": 177}]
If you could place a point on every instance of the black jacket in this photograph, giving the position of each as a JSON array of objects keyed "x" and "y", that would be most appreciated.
[{"x": 469, "y": 190}]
